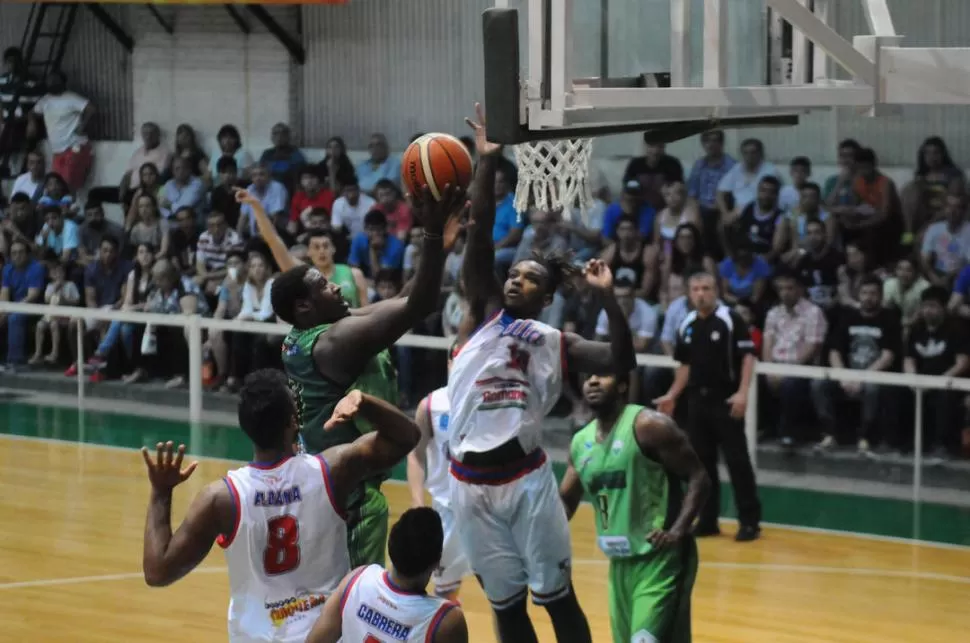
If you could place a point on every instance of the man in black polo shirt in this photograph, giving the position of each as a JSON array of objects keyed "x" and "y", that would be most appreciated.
[{"x": 716, "y": 358}]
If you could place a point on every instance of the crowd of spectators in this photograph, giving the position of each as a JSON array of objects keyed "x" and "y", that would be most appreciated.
[{"x": 844, "y": 270}]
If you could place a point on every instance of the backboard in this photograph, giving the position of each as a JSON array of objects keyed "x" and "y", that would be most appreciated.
[{"x": 566, "y": 81}]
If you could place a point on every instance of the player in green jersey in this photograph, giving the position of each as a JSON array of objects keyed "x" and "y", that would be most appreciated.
[
  {"x": 630, "y": 461},
  {"x": 333, "y": 349}
]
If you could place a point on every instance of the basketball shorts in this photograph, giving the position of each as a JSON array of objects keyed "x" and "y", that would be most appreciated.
[
  {"x": 367, "y": 529},
  {"x": 514, "y": 530},
  {"x": 649, "y": 596},
  {"x": 454, "y": 564}
]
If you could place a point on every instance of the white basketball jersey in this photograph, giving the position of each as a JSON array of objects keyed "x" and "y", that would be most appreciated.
[
  {"x": 374, "y": 610},
  {"x": 503, "y": 383},
  {"x": 438, "y": 481},
  {"x": 288, "y": 551}
]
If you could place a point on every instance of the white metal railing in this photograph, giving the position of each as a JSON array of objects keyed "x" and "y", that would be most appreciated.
[{"x": 194, "y": 324}]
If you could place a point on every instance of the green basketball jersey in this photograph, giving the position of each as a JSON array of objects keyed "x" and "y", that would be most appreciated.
[
  {"x": 632, "y": 494},
  {"x": 343, "y": 276},
  {"x": 317, "y": 395}
]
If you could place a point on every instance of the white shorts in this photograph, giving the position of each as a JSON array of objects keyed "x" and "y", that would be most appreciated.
[
  {"x": 454, "y": 565},
  {"x": 516, "y": 535}
]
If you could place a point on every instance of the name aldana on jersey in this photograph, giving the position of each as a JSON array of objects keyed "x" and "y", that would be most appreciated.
[{"x": 277, "y": 497}]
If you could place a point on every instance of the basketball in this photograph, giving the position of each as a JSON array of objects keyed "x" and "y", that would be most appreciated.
[{"x": 435, "y": 160}]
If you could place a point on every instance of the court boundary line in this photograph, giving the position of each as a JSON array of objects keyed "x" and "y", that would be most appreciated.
[
  {"x": 757, "y": 567},
  {"x": 796, "y": 528}
]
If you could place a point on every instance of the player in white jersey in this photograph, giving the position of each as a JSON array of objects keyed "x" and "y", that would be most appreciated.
[
  {"x": 280, "y": 518},
  {"x": 378, "y": 606},
  {"x": 428, "y": 469},
  {"x": 505, "y": 379}
]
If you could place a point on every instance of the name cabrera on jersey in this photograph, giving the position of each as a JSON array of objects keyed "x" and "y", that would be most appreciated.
[
  {"x": 374, "y": 609},
  {"x": 503, "y": 383},
  {"x": 438, "y": 480},
  {"x": 288, "y": 549}
]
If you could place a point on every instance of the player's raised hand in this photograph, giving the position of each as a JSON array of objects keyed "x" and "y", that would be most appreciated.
[
  {"x": 598, "y": 274},
  {"x": 482, "y": 143},
  {"x": 346, "y": 410},
  {"x": 434, "y": 214},
  {"x": 166, "y": 472},
  {"x": 243, "y": 196}
]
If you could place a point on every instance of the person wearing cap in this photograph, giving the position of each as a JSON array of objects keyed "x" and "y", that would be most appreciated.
[{"x": 631, "y": 203}]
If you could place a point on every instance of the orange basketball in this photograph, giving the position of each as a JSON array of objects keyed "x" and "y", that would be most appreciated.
[{"x": 435, "y": 160}]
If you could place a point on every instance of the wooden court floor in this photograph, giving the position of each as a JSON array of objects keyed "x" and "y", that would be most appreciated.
[{"x": 71, "y": 525}]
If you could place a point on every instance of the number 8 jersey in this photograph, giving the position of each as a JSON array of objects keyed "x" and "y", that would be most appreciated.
[{"x": 287, "y": 551}]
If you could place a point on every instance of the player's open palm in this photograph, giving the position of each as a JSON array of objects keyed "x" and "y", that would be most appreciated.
[
  {"x": 482, "y": 144},
  {"x": 165, "y": 472},
  {"x": 598, "y": 274},
  {"x": 346, "y": 410}
]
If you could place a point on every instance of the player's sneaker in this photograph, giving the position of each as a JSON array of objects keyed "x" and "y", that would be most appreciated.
[
  {"x": 827, "y": 444},
  {"x": 747, "y": 533},
  {"x": 863, "y": 446}
]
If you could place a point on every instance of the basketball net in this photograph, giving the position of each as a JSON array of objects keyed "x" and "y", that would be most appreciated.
[{"x": 554, "y": 176}]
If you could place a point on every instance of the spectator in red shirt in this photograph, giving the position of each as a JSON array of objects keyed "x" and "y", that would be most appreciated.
[
  {"x": 312, "y": 195},
  {"x": 391, "y": 202}
]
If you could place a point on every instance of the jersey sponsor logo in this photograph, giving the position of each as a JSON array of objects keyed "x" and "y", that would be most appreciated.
[
  {"x": 382, "y": 623},
  {"x": 443, "y": 422},
  {"x": 643, "y": 636},
  {"x": 290, "y": 349},
  {"x": 715, "y": 336},
  {"x": 278, "y": 497},
  {"x": 524, "y": 330},
  {"x": 607, "y": 480},
  {"x": 614, "y": 545},
  {"x": 280, "y": 611},
  {"x": 507, "y": 398},
  {"x": 616, "y": 447}
]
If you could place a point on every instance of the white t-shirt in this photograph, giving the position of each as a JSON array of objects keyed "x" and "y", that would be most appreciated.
[
  {"x": 349, "y": 216},
  {"x": 643, "y": 320},
  {"x": 25, "y": 183},
  {"x": 62, "y": 117},
  {"x": 744, "y": 186}
]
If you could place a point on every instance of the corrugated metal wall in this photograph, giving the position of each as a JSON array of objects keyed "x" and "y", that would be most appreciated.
[{"x": 97, "y": 66}]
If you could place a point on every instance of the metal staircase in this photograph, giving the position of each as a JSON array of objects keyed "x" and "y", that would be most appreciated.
[{"x": 48, "y": 29}]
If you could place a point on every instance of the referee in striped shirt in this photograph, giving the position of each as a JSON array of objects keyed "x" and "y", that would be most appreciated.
[{"x": 716, "y": 358}]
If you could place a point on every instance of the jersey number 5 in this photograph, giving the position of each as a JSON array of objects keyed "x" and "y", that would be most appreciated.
[{"x": 282, "y": 553}]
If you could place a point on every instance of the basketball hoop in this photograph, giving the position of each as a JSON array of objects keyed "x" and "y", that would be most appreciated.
[{"x": 554, "y": 175}]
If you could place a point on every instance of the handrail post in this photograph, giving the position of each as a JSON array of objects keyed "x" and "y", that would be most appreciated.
[
  {"x": 81, "y": 328},
  {"x": 195, "y": 370},
  {"x": 918, "y": 449}
]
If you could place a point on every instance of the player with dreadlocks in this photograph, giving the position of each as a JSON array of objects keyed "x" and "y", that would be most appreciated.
[{"x": 505, "y": 379}]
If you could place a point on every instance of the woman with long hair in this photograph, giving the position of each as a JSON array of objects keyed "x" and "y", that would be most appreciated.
[
  {"x": 151, "y": 184},
  {"x": 148, "y": 228},
  {"x": 936, "y": 175},
  {"x": 187, "y": 147},
  {"x": 337, "y": 170},
  {"x": 686, "y": 257}
]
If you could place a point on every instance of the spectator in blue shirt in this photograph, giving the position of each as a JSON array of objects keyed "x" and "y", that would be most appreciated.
[
  {"x": 271, "y": 194},
  {"x": 744, "y": 275},
  {"x": 631, "y": 203},
  {"x": 183, "y": 190},
  {"x": 375, "y": 246},
  {"x": 702, "y": 184},
  {"x": 380, "y": 165},
  {"x": 60, "y": 235},
  {"x": 23, "y": 282},
  {"x": 284, "y": 159},
  {"x": 508, "y": 227}
]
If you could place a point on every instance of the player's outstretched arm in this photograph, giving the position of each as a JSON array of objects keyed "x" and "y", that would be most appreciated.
[
  {"x": 342, "y": 352},
  {"x": 329, "y": 625},
  {"x": 453, "y": 628},
  {"x": 418, "y": 458},
  {"x": 571, "y": 489},
  {"x": 268, "y": 231},
  {"x": 168, "y": 557},
  {"x": 616, "y": 356},
  {"x": 478, "y": 265},
  {"x": 659, "y": 438},
  {"x": 394, "y": 436}
]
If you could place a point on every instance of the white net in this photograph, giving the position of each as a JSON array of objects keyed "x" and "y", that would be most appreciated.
[{"x": 554, "y": 176}]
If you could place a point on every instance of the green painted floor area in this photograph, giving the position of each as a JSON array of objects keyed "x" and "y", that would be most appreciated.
[{"x": 782, "y": 505}]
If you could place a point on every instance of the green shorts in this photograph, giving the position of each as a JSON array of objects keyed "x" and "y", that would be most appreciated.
[
  {"x": 367, "y": 528},
  {"x": 651, "y": 595}
]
